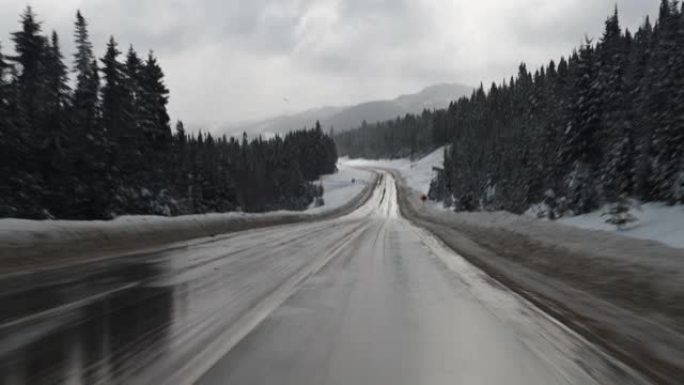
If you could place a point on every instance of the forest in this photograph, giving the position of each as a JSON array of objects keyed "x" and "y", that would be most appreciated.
[
  {"x": 602, "y": 125},
  {"x": 99, "y": 144},
  {"x": 408, "y": 136}
]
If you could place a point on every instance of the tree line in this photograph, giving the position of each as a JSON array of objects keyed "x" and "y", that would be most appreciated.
[
  {"x": 100, "y": 145},
  {"x": 603, "y": 124},
  {"x": 408, "y": 136}
]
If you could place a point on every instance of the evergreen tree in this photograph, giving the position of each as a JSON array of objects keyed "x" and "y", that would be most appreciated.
[
  {"x": 619, "y": 213},
  {"x": 605, "y": 122},
  {"x": 89, "y": 143},
  {"x": 154, "y": 98},
  {"x": 87, "y": 79},
  {"x": 4, "y": 95},
  {"x": 117, "y": 115},
  {"x": 114, "y": 94},
  {"x": 54, "y": 164},
  {"x": 10, "y": 143},
  {"x": 31, "y": 48},
  {"x": 639, "y": 91},
  {"x": 133, "y": 81},
  {"x": 666, "y": 134},
  {"x": 58, "y": 95}
]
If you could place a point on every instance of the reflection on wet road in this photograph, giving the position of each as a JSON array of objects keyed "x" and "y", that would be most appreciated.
[
  {"x": 139, "y": 318},
  {"x": 83, "y": 329}
]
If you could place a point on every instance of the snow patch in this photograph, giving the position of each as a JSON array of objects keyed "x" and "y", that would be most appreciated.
[
  {"x": 656, "y": 221},
  {"x": 417, "y": 174},
  {"x": 341, "y": 187}
]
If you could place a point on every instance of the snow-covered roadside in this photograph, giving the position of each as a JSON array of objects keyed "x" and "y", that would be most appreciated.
[
  {"x": 341, "y": 187},
  {"x": 655, "y": 221},
  {"x": 338, "y": 191},
  {"x": 36, "y": 242},
  {"x": 417, "y": 174}
]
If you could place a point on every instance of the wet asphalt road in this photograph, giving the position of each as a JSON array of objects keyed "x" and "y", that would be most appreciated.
[{"x": 362, "y": 299}]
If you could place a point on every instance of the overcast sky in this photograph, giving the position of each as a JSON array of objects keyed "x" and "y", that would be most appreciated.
[{"x": 233, "y": 60}]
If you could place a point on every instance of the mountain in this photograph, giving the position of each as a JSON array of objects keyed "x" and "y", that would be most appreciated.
[{"x": 344, "y": 118}]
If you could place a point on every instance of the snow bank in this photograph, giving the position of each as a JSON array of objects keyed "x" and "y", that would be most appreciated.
[
  {"x": 656, "y": 221},
  {"x": 417, "y": 174},
  {"x": 37, "y": 243},
  {"x": 338, "y": 191}
]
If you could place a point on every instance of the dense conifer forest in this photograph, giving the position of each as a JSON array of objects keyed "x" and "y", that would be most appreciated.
[
  {"x": 409, "y": 136},
  {"x": 605, "y": 123},
  {"x": 101, "y": 145}
]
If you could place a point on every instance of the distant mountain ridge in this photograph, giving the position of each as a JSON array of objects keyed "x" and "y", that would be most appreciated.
[{"x": 344, "y": 118}]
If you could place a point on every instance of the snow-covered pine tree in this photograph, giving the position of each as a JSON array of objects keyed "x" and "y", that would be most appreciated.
[
  {"x": 581, "y": 149},
  {"x": 639, "y": 90},
  {"x": 619, "y": 213},
  {"x": 617, "y": 133},
  {"x": 665, "y": 115}
]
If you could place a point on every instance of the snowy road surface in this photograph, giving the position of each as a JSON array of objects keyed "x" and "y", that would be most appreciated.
[{"x": 363, "y": 299}]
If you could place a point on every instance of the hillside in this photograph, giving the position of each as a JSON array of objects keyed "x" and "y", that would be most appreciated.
[{"x": 343, "y": 118}]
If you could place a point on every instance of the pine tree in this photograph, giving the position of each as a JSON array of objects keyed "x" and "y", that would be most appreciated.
[
  {"x": 155, "y": 97},
  {"x": 55, "y": 164},
  {"x": 581, "y": 151},
  {"x": 58, "y": 97},
  {"x": 117, "y": 117},
  {"x": 666, "y": 135},
  {"x": 4, "y": 95},
  {"x": 619, "y": 213},
  {"x": 180, "y": 132},
  {"x": 87, "y": 78},
  {"x": 133, "y": 81},
  {"x": 90, "y": 145},
  {"x": 639, "y": 92},
  {"x": 113, "y": 93},
  {"x": 11, "y": 154},
  {"x": 617, "y": 137},
  {"x": 674, "y": 131},
  {"x": 30, "y": 48}
]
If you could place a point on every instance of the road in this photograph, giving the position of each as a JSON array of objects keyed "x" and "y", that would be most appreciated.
[{"x": 363, "y": 299}]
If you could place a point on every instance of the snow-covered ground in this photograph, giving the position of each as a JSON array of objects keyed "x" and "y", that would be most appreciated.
[
  {"x": 417, "y": 174},
  {"x": 339, "y": 189},
  {"x": 655, "y": 221}
]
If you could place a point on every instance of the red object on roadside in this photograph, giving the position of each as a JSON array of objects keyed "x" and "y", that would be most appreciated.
[{"x": 423, "y": 197}]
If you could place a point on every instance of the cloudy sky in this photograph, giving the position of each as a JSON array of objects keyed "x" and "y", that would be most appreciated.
[{"x": 234, "y": 60}]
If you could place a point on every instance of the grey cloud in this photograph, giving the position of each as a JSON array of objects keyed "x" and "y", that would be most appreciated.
[{"x": 231, "y": 60}]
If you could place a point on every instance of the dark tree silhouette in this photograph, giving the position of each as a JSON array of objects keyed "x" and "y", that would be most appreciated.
[
  {"x": 106, "y": 148},
  {"x": 604, "y": 123}
]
